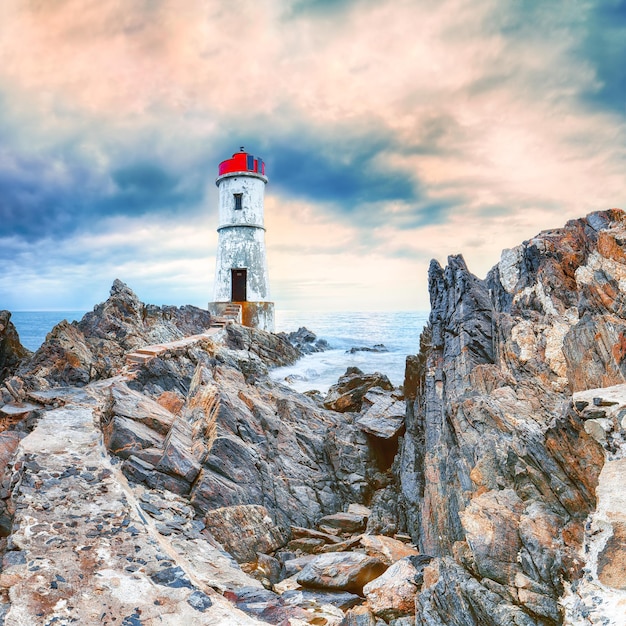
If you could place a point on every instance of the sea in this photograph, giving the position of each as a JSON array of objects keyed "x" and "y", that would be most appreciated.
[{"x": 397, "y": 331}]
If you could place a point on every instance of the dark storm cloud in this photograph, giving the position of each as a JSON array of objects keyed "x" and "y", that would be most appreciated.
[
  {"x": 52, "y": 195},
  {"x": 338, "y": 165}
]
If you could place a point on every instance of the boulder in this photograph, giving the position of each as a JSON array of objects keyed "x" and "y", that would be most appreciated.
[
  {"x": 378, "y": 347},
  {"x": 305, "y": 533},
  {"x": 360, "y": 616},
  {"x": 305, "y": 341},
  {"x": 382, "y": 426},
  {"x": 266, "y": 606},
  {"x": 387, "y": 549},
  {"x": 392, "y": 594},
  {"x": 295, "y": 565},
  {"x": 344, "y": 522},
  {"x": 315, "y": 600},
  {"x": 245, "y": 530},
  {"x": 348, "y": 393},
  {"x": 346, "y": 571}
]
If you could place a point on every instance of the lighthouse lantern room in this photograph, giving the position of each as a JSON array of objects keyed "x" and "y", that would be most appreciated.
[{"x": 241, "y": 278}]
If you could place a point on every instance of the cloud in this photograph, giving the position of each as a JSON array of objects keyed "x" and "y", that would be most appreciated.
[{"x": 392, "y": 130}]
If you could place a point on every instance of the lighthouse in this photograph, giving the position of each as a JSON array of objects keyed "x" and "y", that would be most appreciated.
[{"x": 241, "y": 278}]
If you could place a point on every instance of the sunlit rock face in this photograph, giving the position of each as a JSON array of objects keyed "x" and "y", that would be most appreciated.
[{"x": 497, "y": 470}]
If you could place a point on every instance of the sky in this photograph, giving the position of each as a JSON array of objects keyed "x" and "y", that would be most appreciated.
[{"x": 393, "y": 131}]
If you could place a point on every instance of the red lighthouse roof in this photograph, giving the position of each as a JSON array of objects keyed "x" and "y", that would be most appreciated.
[{"x": 242, "y": 162}]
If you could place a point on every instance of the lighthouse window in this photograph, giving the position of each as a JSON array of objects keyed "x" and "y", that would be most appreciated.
[
  {"x": 238, "y": 197},
  {"x": 250, "y": 163}
]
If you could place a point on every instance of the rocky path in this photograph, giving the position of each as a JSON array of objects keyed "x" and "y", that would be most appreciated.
[
  {"x": 141, "y": 355},
  {"x": 85, "y": 549}
]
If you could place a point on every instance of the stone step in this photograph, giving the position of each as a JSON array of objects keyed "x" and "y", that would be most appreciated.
[{"x": 134, "y": 357}]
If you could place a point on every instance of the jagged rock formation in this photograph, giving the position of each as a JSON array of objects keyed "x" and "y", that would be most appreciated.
[
  {"x": 497, "y": 472},
  {"x": 141, "y": 474},
  {"x": 11, "y": 349},
  {"x": 95, "y": 348}
]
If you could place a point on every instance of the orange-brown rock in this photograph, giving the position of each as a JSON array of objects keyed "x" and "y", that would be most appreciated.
[
  {"x": 497, "y": 475},
  {"x": 392, "y": 594},
  {"x": 245, "y": 530},
  {"x": 387, "y": 549}
]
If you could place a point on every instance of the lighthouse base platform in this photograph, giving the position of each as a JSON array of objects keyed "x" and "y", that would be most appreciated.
[{"x": 253, "y": 314}]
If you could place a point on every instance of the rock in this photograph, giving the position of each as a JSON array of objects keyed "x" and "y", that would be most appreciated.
[
  {"x": 269, "y": 566},
  {"x": 140, "y": 408},
  {"x": 124, "y": 436},
  {"x": 348, "y": 393},
  {"x": 265, "y": 605},
  {"x": 392, "y": 594},
  {"x": 171, "y": 401},
  {"x": 359, "y": 509},
  {"x": 344, "y": 546},
  {"x": 494, "y": 471},
  {"x": 385, "y": 512},
  {"x": 491, "y": 524},
  {"x": 141, "y": 471},
  {"x": 385, "y": 419},
  {"x": 387, "y": 549},
  {"x": 82, "y": 537},
  {"x": 305, "y": 341},
  {"x": 273, "y": 350},
  {"x": 295, "y": 565},
  {"x": 267, "y": 434},
  {"x": 12, "y": 352},
  {"x": 245, "y": 530},
  {"x": 344, "y": 522},
  {"x": 346, "y": 571},
  {"x": 178, "y": 458},
  {"x": 379, "y": 347},
  {"x": 315, "y": 600},
  {"x": 308, "y": 545},
  {"x": 451, "y": 596},
  {"x": 96, "y": 347},
  {"x": 9, "y": 441},
  {"x": 360, "y": 616},
  {"x": 299, "y": 532}
]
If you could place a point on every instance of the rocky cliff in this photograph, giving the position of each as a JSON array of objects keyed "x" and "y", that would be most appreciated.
[
  {"x": 498, "y": 470},
  {"x": 123, "y": 483}
]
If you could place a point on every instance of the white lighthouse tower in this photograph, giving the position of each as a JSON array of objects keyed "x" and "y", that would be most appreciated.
[{"x": 241, "y": 278}]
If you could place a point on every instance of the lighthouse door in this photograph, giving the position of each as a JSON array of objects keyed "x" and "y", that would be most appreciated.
[{"x": 238, "y": 281}]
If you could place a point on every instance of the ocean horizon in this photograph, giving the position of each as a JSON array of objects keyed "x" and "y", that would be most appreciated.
[{"x": 397, "y": 331}]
